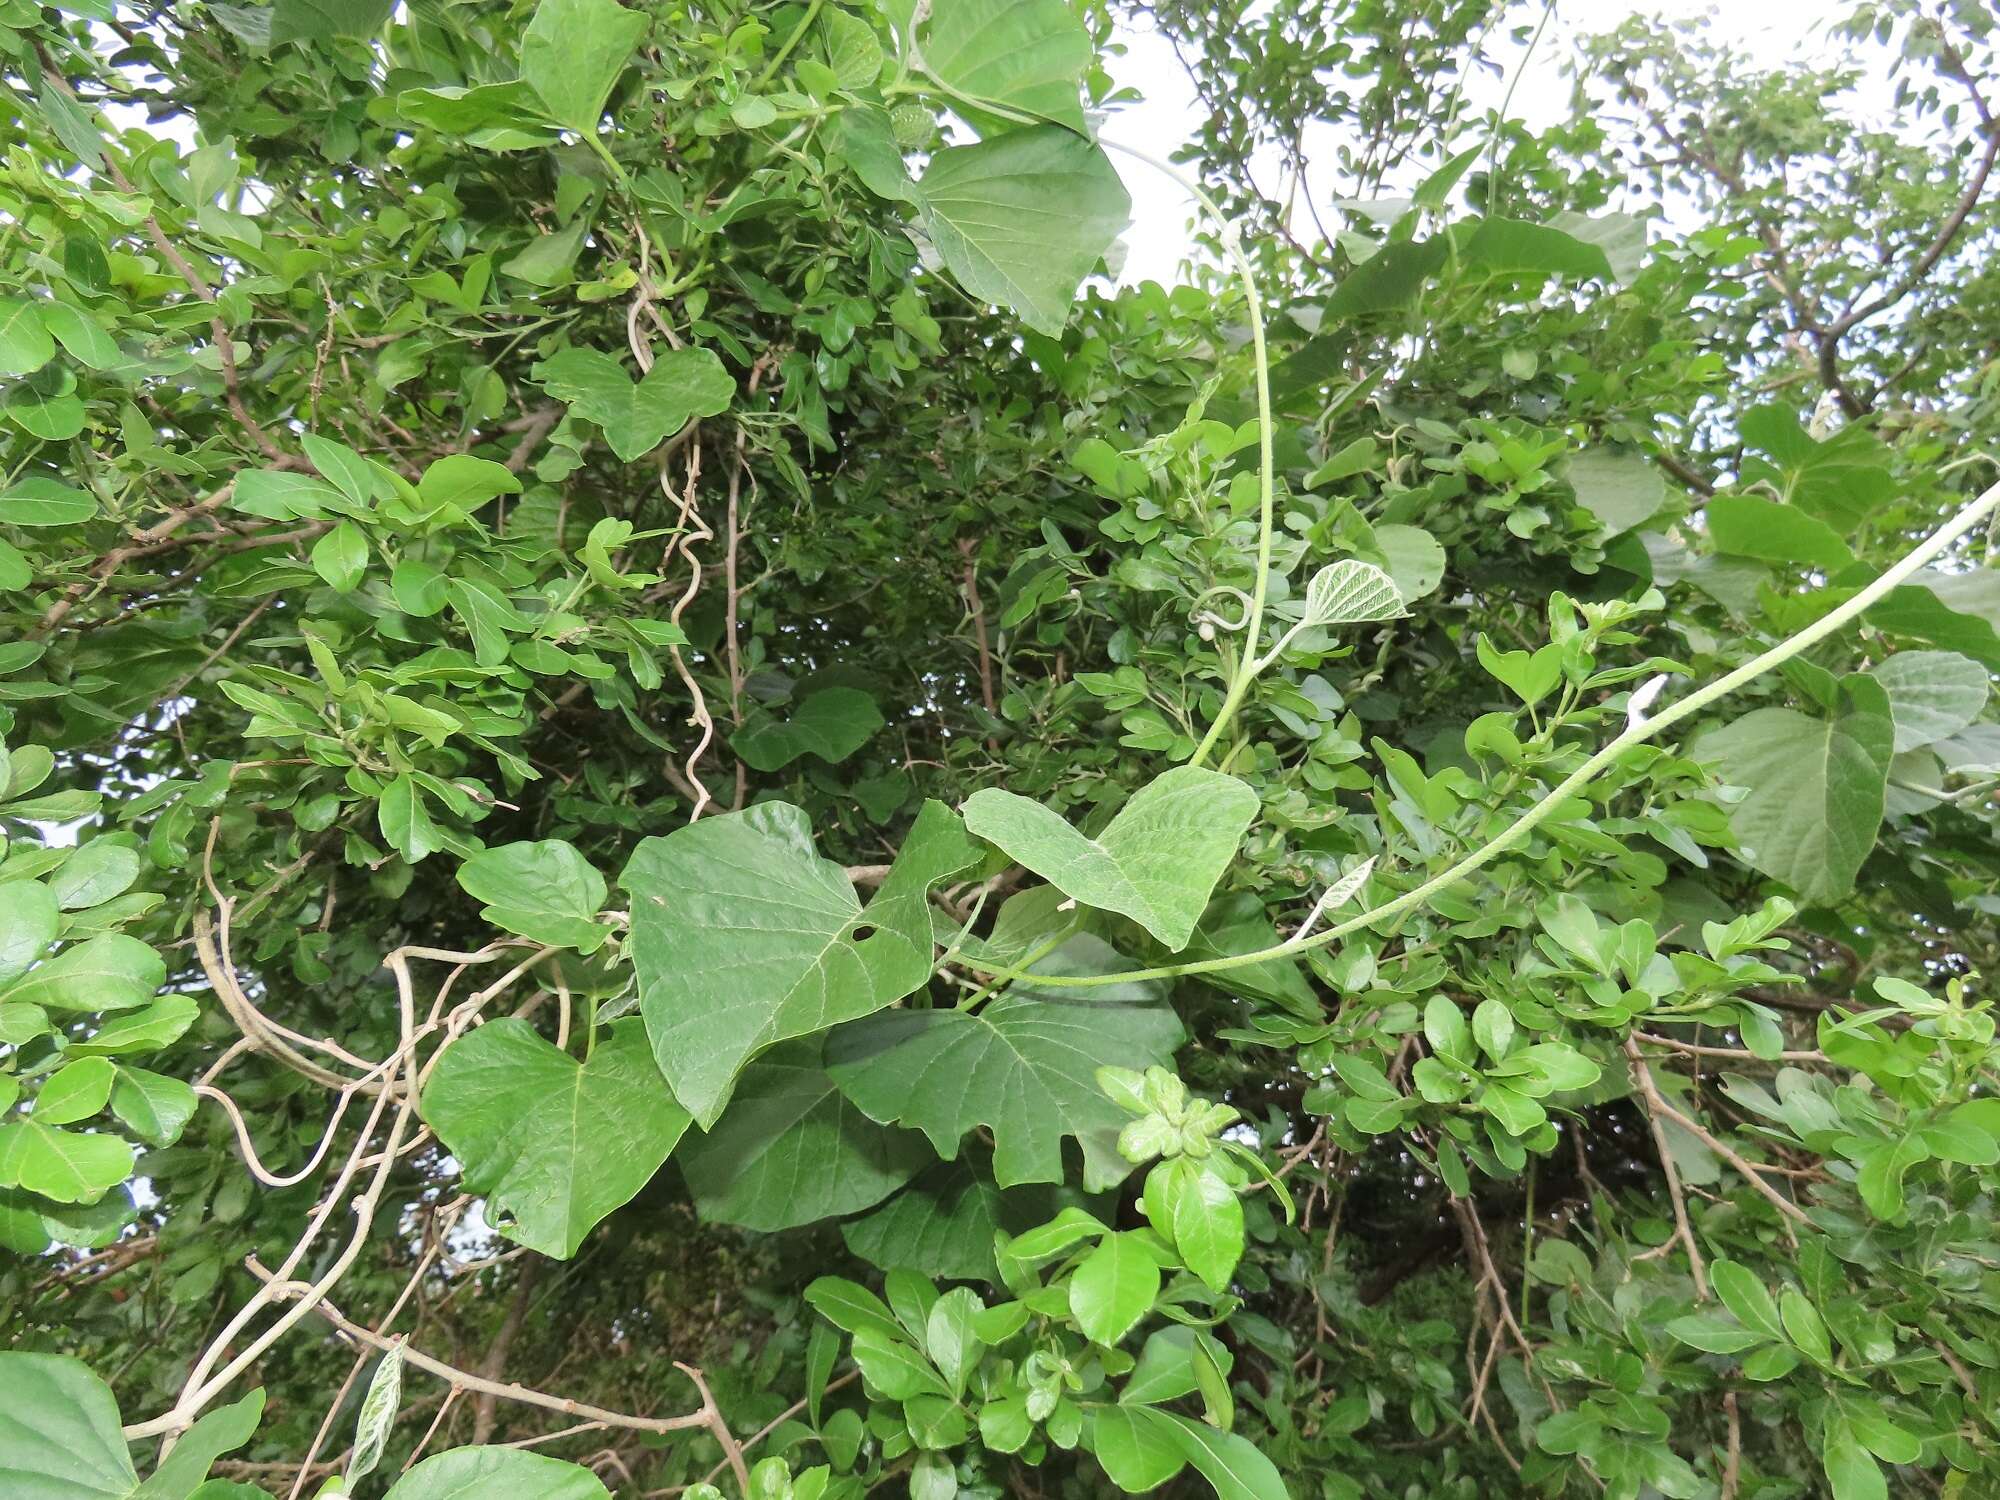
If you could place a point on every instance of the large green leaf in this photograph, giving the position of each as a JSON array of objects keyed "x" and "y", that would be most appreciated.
[
  {"x": 112, "y": 972},
  {"x": 29, "y": 916},
  {"x": 1021, "y": 220},
  {"x": 1932, "y": 694},
  {"x": 1027, "y": 56},
  {"x": 1388, "y": 279},
  {"x": 1622, "y": 238},
  {"x": 1156, "y": 862},
  {"x": 1931, "y": 608},
  {"x": 1814, "y": 788},
  {"x": 312, "y": 20},
  {"x": 832, "y": 723},
  {"x": 497, "y": 1474},
  {"x": 494, "y": 116},
  {"x": 791, "y": 1148},
  {"x": 1514, "y": 247},
  {"x": 1752, "y": 526},
  {"x": 572, "y": 54},
  {"x": 220, "y": 1431},
  {"x": 637, "y": 416},
  {"x": 1140, "y": 1449},
  {"x": 59, "y": 1432},
  {"x": 943, "y": 1223},
  {"x": 151, "y": 1105},
  {"x": 1620, "y": 488},
  {"x": 1850, "y": 1472},
  {"x": 545, "y": 891},
  {"x": 25, "y": 344},
  {"x": 552, "y": 1143},
  {"x": 1233, "y": 1466},
  {"x": 1840, "y": 479},
  {"x": 744, "y": 937},
  {"x": 1025, "y": 1065}
]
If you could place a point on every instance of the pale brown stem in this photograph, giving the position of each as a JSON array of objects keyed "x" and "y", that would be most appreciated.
[
  {"x": 1683, "y": 1230},
  {"x": 1790, "y": 1210},
  {"x": 495, "y": 1363},
  {"x": 502, "y": 1390},
  {"x": 968, "y": 548}
]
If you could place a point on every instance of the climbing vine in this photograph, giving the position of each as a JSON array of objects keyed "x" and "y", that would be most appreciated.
[{"x": 684, "y": 812}]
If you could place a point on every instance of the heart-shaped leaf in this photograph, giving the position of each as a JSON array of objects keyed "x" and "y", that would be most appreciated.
[
  {"x": 1156, "y": 863},
  {"x": 1025, "y": 1065},
  {"x": 1021, "y": 219},
  {"x": 791, "y": 1149},
  {"x": 744, "y": 937},
  {"x": 551, "y": 1142},
  {"x": 637, "y": 416},
  {"x": 1351, "y": 592}
]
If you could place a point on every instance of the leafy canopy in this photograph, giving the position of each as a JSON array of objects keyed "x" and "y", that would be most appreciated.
[{"x": 671, "y": 783}]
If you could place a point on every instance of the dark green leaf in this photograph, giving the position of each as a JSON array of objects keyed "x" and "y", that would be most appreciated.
[{"x": 744, "y": 937}]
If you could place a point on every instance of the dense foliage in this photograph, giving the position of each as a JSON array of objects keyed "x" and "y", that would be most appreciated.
[{"x": 670, "y": 818}]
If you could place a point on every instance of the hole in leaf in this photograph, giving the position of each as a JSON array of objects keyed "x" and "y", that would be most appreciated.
[{"x": 862, "y": 933}]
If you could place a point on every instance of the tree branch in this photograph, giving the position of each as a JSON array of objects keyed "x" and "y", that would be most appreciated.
[{"x": 479, "y": 1384}]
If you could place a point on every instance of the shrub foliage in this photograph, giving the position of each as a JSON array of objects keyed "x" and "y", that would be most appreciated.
[{"x": 677, "y": 812}]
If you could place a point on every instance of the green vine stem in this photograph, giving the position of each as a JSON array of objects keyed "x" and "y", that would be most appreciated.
[
  {"x": 1249, "y": 664},
  {"x": 1636, "y": 734}
]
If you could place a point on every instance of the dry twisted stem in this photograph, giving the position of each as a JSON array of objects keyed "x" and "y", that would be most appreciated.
[
  {"x": 1684, "y": 1232},
  {"x": 320, "y": 1306},
  {"x": 396, "y": 1083}
]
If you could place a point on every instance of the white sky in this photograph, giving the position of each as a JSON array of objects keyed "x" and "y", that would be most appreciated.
[{"x": 1771, "y": 32}]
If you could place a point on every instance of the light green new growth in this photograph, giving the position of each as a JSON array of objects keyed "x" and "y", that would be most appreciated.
[
  {"x": 1248, "y": 663},
  {"x": 1635, "y": 734}
]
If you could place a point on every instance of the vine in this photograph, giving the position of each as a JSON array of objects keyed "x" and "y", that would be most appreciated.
[{"x": 658, "y": 756}]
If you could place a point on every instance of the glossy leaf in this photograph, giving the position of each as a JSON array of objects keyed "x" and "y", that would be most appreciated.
[
  {"x": 1233, "y": 1466},
  {"x": 480, "y": 1473},
  {"x": 1139, "y": 1449},
  {"x": 69, "y": 1166},
  {"x": 1113, "y": 1288},
  {"x": 28, "y": 923},
  {"x": 112, "y": 972}
]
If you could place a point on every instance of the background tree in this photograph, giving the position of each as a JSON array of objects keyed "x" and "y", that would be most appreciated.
[{"x": 662, "y": 806}]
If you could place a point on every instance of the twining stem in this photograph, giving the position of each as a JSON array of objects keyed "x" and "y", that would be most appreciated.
[
  {"x": 1249, "y": 663},
  {"x": 798, "y": 33},
  {"x": 1635, "y": 734}
]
